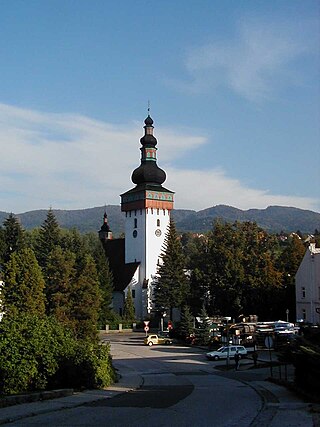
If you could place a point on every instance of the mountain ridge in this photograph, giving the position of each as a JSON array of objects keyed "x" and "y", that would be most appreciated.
[{"x": 272, "y": 218}]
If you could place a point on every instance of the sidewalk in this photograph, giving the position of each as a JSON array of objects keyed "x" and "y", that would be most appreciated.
[
  {"x": 281, "y": 407},
  {"x": 127, "y": 382}
]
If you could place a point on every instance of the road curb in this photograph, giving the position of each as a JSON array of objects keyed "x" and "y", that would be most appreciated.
[
  {"x": 29, "y": 405},
  {"x": 34, "y": 397}
]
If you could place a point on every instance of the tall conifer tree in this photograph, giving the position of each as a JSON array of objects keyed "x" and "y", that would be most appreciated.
[
  {"x": 105, "y": 282},
  {"x": 172, "y": 285},
  {"x": 129, "y": 311},
  {"x": 86, "y": 300},
  {"x": 61, "y": 274},
  {"x": 49, "y": 238},
  {"x": 13, "y": 236}
]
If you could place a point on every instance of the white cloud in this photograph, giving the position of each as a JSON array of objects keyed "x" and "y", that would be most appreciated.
[
  {"x": 255, "y": 64},
  {"x": 202, "y": 189},
  {"x": 70, "y": 161}
]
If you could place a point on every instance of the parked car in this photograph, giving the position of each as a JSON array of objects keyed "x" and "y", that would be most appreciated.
[
  {"x": 222, "y": 352},
  {"x": 156, "y": 339}
]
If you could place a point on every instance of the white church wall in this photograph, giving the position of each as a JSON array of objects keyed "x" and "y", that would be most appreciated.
[{"x": 155, "y": 242}]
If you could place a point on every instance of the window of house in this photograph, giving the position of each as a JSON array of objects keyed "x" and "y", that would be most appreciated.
[
  {"x": 304, "y": 314},
  {"x": 303, "y": 292},
  {"x": 135, "y": 223},
  {"x": 133, "y": 292}
]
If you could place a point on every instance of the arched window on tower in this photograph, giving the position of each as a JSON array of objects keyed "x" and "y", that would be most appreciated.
[
  {"x": 135, "y": 223},
  {"x": 158, "y": 222}
]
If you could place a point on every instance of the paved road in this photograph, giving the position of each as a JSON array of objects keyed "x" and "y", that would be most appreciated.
[{"x": 178, "y": 387}]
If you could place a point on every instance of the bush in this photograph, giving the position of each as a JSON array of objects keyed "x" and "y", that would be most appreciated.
[
  {"x": 35, "y": 351},
  {"x": 86, "y": 366}
]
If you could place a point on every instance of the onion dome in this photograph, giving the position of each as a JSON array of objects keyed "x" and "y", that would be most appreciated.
[
  {"x": 148, "y": 172},
  {"x": 148, "y": 138},
  {"x": 148, "y": 121}
]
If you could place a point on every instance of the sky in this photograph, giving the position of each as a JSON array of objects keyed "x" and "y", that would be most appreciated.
[{"x": 234, "y": 93}]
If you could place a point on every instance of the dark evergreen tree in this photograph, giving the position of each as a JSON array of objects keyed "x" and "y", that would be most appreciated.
[
  {"x": 86, "y": 301},
  {"x": 23, "y": 291},
  {"x": 2, "y": 251},
  {"x": 172, "y": 285},
  {"x": 13, "y": 237},
  {"x": 202, "y": 332},
  {"x": 289, "y": 262},
  {"x": 187, "y": 322},
  {"x": 73, "y": 241},
  {"x": 105, "y": 282},
  {"x": 49, "y": 238},
  {"x": 129, "y": 311},
  {"x": 61, "y": 276}
]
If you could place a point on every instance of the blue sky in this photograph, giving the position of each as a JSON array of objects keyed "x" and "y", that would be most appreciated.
[{"x": 234, "y": 91}]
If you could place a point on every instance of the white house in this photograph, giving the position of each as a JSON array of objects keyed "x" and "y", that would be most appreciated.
[{"x": 308, "y": 286}]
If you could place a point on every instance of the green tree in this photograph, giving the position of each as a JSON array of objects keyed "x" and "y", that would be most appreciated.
[
  {"x": 2, "y": 250},
  {"x": 40, "y": 353},
  {"x": 202, "y": 332},
  {"x": 105, "y": 282},
  {"x": 288, "y": 263},
  {"x": 73, "y": 241},
  {"x": 236, "y": 272},
  {"x": 13, "y": 237},
  {"x": 129, "y": 311},
  {"x": 23, "y": 291},
  {"x": 61, "y": 276},
  {"x": 187, "y": 322},
  {"x": 172, "y": 285},
  {"x": 86, "y": 300},
  {"x": 48, "y": 239}
]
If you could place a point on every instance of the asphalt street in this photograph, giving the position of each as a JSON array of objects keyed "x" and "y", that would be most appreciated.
[{"x": 171, "y": 386}]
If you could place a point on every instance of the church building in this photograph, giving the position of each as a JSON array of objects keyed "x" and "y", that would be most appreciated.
[{"x": 147, "y": 206}]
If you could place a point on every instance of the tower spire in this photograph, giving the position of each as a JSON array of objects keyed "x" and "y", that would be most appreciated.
[{"x": 105, "y": 233}]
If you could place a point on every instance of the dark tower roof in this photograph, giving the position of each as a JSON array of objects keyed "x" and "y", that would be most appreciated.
[
  {"x": 148, "y": 172},
  {"x": 105, "y": 233}
]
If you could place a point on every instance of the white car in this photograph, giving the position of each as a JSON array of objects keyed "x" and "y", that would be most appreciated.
[{"x": 222, "y": 352}]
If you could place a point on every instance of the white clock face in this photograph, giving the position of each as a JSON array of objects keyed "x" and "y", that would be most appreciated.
[{"x": 158, "y": 232}]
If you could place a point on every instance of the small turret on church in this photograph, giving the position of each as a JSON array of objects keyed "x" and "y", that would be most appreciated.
[{"x": 105, "y": 233}]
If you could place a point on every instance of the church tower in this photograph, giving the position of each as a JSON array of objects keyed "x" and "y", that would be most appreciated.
[{"x": 147, "y": 208}]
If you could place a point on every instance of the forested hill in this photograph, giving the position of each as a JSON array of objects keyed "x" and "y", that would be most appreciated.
[{"x": 273, "y": 218}]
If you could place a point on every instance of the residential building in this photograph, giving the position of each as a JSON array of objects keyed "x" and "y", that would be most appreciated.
[{"x": 308, "y": 286}]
